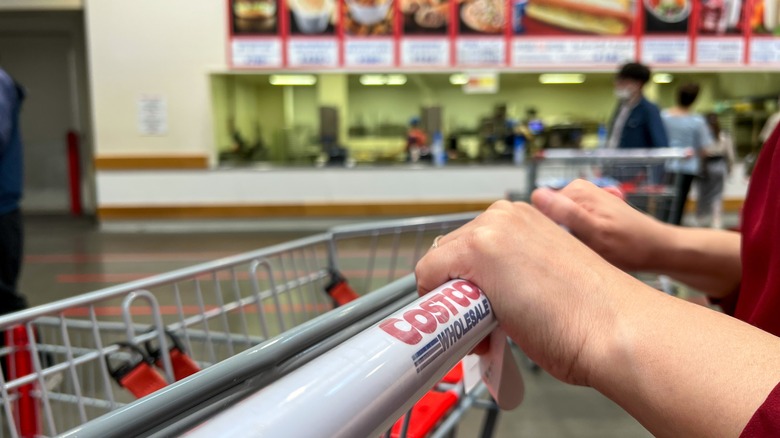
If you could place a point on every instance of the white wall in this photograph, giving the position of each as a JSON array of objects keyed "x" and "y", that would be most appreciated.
[{"x": 154, "y": 47}]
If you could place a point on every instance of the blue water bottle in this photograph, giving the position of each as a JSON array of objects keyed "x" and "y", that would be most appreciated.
[
  {"x": 519, "y": 150},
  {"x": 602, "y": 136},
  {"x": 437, "y": 150}
]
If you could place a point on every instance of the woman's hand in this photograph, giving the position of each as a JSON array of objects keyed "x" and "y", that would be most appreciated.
[
  {"x": 626, "y": 237},
  {"x": 548, "y": 290},
  {"x": 679, "y": 368}
]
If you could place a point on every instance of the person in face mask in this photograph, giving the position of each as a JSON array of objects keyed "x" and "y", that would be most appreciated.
[{"x": 636, "y": 122}]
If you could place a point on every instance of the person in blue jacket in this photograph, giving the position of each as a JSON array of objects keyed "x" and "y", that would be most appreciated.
[
  {"x": 636, "y": 122},
  {"x": 11, "y": 97}
]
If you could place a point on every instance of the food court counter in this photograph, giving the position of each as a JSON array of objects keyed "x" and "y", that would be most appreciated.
[{"x": 275, "y": 192}]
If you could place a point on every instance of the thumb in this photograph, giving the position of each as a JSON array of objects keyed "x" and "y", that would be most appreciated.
[{"x": 560, "y": 208}]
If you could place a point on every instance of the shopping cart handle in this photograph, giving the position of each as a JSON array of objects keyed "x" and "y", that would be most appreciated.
[{"x": 362, "y": 386}]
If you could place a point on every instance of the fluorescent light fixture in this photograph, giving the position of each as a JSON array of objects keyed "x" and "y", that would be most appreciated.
[
  {"x": 382, "y": 79},
  {"x": 396, "y": 79},
  {"x": 373, "y": 80},
  {"x": 459, "y": 79},
  {"x": 292, "y": 79},
  {"x": 561, "y": 78},
  {"x": 663, "y": 78}
]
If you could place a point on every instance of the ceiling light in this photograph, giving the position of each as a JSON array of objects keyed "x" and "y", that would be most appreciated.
[
  {"x": 292, "y": 79},
  {"x": 561, "y": 78},
  {"x": 382, "y": 79},
  {"x": 396, "y": 79},
  {"x": 373, "y": 80},
  {"x": 459, "y": 79},
  {"x": 662, "y": 78}
]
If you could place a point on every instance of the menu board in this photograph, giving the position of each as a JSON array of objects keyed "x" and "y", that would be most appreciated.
[
  {"x": 572, "y": 32},
  {"x": 667, "y": 31},
  {"x": 255, "y": 32},
  {"x": 502, "y": 34},
  {"x": 721, "y": 28},
  {"x": 764, "y": 22},
  {"x": 425, "y": 28},
  {"x": 369, "y": 30},
  {"x": 481, "y": 28}
]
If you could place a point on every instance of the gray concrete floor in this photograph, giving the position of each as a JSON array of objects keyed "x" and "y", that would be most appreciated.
[{"x": 65, "y": 257}]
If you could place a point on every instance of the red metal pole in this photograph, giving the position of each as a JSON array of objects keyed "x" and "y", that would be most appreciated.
[
  {"x": 19, "y": 365},
  {"x": 74, "y": 173}
]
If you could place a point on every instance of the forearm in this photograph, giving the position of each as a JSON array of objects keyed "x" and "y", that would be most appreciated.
[
  {"x": 704, "y": 259},
  {"x": 682, "y": 369}
]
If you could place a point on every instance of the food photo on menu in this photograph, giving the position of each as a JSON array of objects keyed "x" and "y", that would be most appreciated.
[
  {"x": 667, "y": 16},
  {"x": 564, "y": 17},
  {"x": 721, "y": 17},
  {"x": 425, "y": 16},
  {"x": 765, "y": 19},
  {"x": 368, "y": 17},
  {"x": 312, "y": 17},
  {"x": 254, "y": 17},
  {"x": 482, "y": 17}
]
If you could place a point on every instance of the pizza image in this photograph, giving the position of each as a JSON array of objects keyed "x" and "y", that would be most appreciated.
[
  {"x": 486, "y": 16},
  {"x": 432, "y": 17}
]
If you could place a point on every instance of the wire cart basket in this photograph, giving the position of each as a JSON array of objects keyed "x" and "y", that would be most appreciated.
[
  {"x": 639, "y": 174},
  {"x": 159, "y": 356}
]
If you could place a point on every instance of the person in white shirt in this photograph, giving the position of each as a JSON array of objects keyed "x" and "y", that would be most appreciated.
[
  {"x": 686, "y": 129},
  {"x": 719, "y": 158}
]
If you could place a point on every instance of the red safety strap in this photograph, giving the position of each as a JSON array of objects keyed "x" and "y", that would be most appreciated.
[
  {"x": 142, "y": 380},
  {"x": 137, "y": 375},
  {"x": 426, "y": 414},
  {"x": 183, "y": 365},
  {"x": 339, "y": 290}
]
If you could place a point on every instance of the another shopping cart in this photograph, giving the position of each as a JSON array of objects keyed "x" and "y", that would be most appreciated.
[{"x": 639, "y": 174}]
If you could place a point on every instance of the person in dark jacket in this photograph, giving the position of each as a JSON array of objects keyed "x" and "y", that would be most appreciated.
[
  {"x": 636, "y": 122},
  {"x": 11, "y": 97}
]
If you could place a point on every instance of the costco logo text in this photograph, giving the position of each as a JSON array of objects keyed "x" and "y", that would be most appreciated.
[{"x": 437, "y": 309}]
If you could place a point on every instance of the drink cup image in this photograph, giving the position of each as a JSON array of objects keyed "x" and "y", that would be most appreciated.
[
  {"x": 312, "y": 16},
  {"x": 368, "y": 12},
  {"x": 254, "y": 15}
]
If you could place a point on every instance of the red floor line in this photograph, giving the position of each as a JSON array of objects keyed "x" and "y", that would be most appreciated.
[
  {"x": 192, "y": 309},
  {"x": 171, "y": 256},
  {"x": 123, "y": 277},
  {"x": 123, "y": 257}
]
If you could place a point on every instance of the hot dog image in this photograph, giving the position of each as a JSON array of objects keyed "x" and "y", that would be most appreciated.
[{"x": 602, "y": 17}]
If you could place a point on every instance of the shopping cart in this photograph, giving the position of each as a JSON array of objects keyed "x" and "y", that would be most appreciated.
[
  {"x": 638, "y": 174},
  {"x": 190, "y": 342}
]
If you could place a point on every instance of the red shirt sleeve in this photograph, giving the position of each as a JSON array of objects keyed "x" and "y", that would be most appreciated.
[{"x": 766, "y": 421}]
